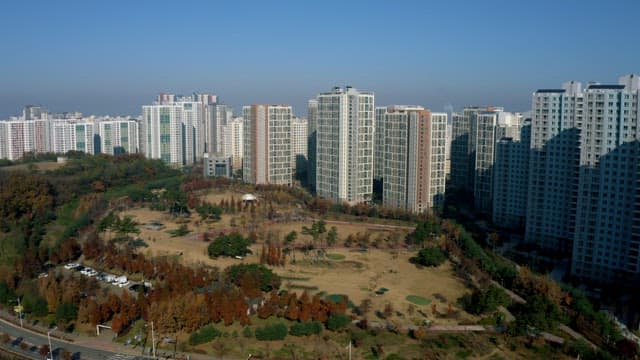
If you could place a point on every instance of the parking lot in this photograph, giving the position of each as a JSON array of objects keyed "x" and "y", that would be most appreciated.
[{"x": 107, "y": 278}]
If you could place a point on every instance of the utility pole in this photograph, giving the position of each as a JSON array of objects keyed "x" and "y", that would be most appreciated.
[
  {"x": 49, "y": 338},
  {"x": 153, "y": 341},
  {"x": 20, "y": 313}
]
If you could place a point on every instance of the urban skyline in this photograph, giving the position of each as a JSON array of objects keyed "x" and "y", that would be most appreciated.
[{"x": 67, "y": 59}]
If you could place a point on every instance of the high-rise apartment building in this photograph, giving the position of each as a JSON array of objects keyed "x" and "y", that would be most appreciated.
[
  {"x": 511, "y": 179},
  {"x": 118, "y": 136},
  {"x": 312, "y": 134},
  {"x": 172, "y": 130},
  {"x": 463, "y": 152},
  {"x": 556, "y": 119},
  {"x": 345, "y": 130},
  {"x": 584, "y": 177},
  {"x": 161, "y": 133},
  {"x": 216, "y": 115},
  {"x": 267, "y": 144},
  {"x": 234, "y": 141},
  {"x": 490, "y": 127},
  {"x": 299, "y": 140},
  {"x": 379, "y": 142},
  {"x": 606, "y": 244},
  {"x": 14, "y": 139},
  {"x": 413, "y": 158},
  {"x": 68, "y": 135},
  {"x": 22, "y": 136}
]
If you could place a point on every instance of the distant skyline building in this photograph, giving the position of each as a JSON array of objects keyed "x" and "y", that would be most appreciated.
[
  {"x": 34, "y": 112},
  {"x": 267, "y": 144},
  {"x": 413, "y": 158},
  {"x": 345, "y": 130}
]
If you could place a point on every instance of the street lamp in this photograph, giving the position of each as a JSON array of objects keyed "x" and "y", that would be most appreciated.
[
  {"x": 19, "y": 311},
  {"x": 49, "y": 338}
]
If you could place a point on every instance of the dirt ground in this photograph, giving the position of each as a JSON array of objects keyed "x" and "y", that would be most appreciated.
[{"x": 358, "y": 275}]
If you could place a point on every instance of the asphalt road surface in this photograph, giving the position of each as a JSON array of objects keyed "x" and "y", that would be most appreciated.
[{"x": 36, "y": 340}]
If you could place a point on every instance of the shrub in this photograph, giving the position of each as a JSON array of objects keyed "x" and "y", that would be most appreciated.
[
  {"x": 66, "y": 312},
  {"x": 306, "y": 328},
  {"x": 246, "y": 332},
  {"x": 272, "y": 332},
  {"x": 338, "y": 321},
  {"x": 486, "y": 300},
  {"x": 205, "y": 334},
  {"x": 229, "y": 245},
  {"x": 266, "y": 279},
  {"x": 431, "y": 256}
]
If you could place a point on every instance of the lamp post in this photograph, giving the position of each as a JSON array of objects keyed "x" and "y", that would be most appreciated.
[
  {"x": 19, "y": 310},
  {"x": 49, "y": 338}
]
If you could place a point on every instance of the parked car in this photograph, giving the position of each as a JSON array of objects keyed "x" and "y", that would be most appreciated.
[
  {"x": 123, "y": 284},
  {"x": 70, "y": 266}
]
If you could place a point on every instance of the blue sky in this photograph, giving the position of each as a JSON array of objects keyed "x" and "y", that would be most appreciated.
[{"x": 110, "y": 57}]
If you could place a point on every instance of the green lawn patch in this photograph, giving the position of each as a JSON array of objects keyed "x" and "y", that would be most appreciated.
[
  {"x": 336, "y": 256},
  {"x": 418, "y": 300}
]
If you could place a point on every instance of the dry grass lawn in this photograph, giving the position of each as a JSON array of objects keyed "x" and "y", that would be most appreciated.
[{"x": 358, "y": 275}]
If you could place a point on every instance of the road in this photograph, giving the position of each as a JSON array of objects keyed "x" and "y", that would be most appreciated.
[{"x": 35, "y": 340}]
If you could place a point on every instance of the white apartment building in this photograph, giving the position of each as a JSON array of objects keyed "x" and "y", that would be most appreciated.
[
  {"x": 72, "y": 135},
  {"x": 379, "y": 142},
  {"x": 21, "y": 136},
  {"x": 462, "y": 147},
  {"x": 511, "y": 179},
  {"x": 584, "y": 177},
  {"x": 606, "y": 244},
  {"x": 233, "y": 134},
  {"x": 413, "y": 158},
  {"x": 216, "y": 120},
  {"x": 312, "y": 134},
  {"x": 299, "y": 144},
  {"x": 172, "y": 130},
  {"x": 557, "y": 115},
  {"x": 161, "y": 133},
  {"x": 490, "y": 127},
  {"x": 267, "y": 144},
  {"x": 118, "y": 136},
  {"x": 345, "y": 130}
]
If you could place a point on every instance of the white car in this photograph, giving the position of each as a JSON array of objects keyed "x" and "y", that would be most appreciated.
[
  {"x": 123, "y": 284},
  {"x": 70, "y": 266}
]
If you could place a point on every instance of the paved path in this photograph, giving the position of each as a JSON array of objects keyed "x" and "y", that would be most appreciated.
[{"x": 576, "y": 335}]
